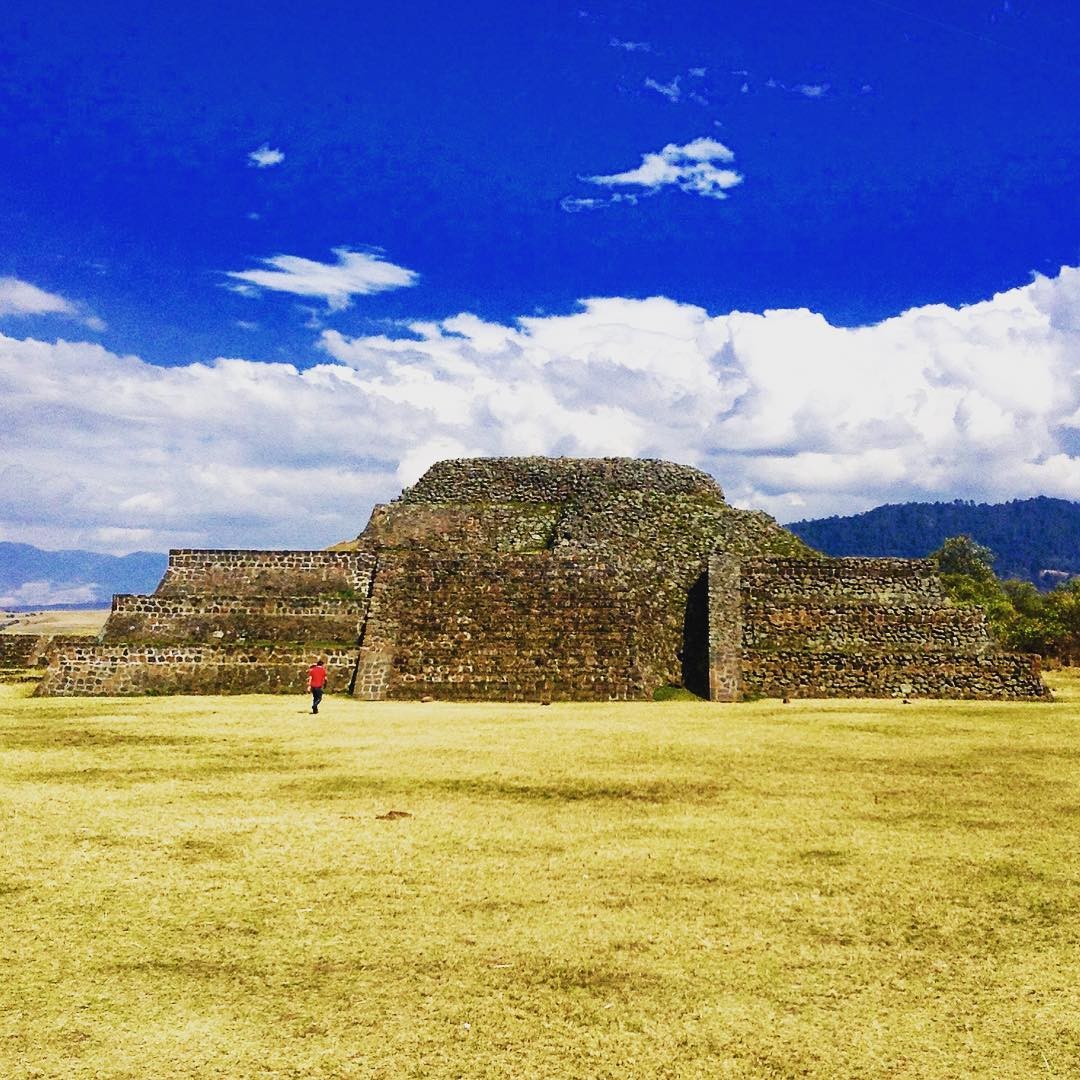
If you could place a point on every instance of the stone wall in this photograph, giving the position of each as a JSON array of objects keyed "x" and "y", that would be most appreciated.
[
  {"x": 511, "y": 627},
  {"x": 553, "y": 480},
  {"x": 78, "y": 666},
  {"x": 681, "y": 531},
  {"x": 193, "y": 572},
  {"x": 649, "y": 526},
  {"x": 225, "y": 621},
  {"x": 859, "y": 627},
  {"x": 217, "y": 619},
  {"x": 22, "y": 650},
  {"x": 995, "y": 676},
  {"x": 481, "y": 527},
  {"x": 818, "y": 581},
  {"x": 725, "y": 628}
]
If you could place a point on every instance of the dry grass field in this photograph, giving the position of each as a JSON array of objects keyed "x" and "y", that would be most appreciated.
[
  {"x": 60, "y": 621},
  {"x": 215, "y": 887}
]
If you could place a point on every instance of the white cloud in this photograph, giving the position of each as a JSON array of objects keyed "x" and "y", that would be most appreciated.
[
  {"x": 693, "y": 167},
  {"x": 669, "y": 90},
  {"x": 21, "y": 298},
  {"x": 265, "y": 156},
  {"x": 47, "y": 593},
  {"x": 809, "y": 90},
  {"x": 356, "y": 273},
  {"x": 575, "y": 205},
  {"x": 788, "y": 412}
]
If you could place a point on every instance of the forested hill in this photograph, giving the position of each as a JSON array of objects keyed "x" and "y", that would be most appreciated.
[{"x": 1027, "y": 536}]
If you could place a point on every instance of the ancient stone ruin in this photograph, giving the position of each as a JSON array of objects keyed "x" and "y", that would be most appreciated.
[{"x": 542, "y": 579}]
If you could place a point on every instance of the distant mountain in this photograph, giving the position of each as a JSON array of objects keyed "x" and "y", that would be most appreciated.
[
  {"x": 1034, "y": 539},
  {"x": 31, "y": 578}
]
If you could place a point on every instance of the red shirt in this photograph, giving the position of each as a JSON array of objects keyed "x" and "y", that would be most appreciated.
[{"x": 317, "y": 675}]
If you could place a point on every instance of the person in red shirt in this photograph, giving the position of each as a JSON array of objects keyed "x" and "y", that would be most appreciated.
[{"x": 316, "y": 682}]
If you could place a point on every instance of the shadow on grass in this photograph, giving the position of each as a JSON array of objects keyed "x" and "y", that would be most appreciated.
[
  {"x": 829, "y": 856},
  {"x": 192, "y": 849},
  {"x": 44, "y": 737},
  {"x": 573, "y": 789},
  {"x": 190, "y": 967},
  {"x": 592, "y": 977},
  {"x": 225, "y": 764}
]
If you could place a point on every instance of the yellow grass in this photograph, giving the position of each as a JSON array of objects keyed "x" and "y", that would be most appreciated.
[
  {"x": 53, "y": 622},
  {"x": 205, "y": 887}
]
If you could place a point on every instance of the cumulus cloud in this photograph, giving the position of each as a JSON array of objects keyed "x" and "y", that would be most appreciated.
[
  {"x": 48, "y": 593},
  {"x": 21, "y": 298},
  {"x": 788, "y": 412},
  {"x": 265, "y": 156},
  {"x": 356, "y": 273},
  {"x": 694, "y": 167}
]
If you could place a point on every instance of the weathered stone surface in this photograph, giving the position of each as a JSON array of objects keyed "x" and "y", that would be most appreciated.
[
  {"x": 554, "y": 480},
  {"x": 548, "y": 579},
  {"x": 193, "y": 572},
  {"x": 223, "y": 619},
  {"x": 78, "y": 667},
  {"x": 22, "y": 650},
  {"x": 512, "y": 627},
  {"x": 996, "y": 676},
  {"x": 517, "y": 526},
  {"x": 230, "y": 621},
  {"x": 725, "y": 621},
  {"x": 859, "y": 627}
]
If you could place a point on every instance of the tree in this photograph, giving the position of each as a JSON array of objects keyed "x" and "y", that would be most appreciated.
[
  {"x": 1020, "y": 617},
  {"x": 960, "y": 555}
]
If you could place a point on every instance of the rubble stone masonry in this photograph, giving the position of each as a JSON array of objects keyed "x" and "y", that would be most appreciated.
[
  {"x": 80, "y": 667},
  {"x": 193, "y": 572},
  {"x": 859, "y": 627},
  {"x": 22, "y": 650},
  {"x": 548, "y": 579},
  {"x": 222, "y": 619}
]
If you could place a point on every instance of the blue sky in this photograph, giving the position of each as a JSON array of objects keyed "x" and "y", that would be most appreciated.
[{"x": 390, "y": 216}]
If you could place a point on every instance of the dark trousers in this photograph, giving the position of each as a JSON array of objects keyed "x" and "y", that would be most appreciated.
[{"x": 316, "y": 697}]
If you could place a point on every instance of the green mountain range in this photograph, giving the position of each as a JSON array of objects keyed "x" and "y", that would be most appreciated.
[{"x": 1036, "y": 540}]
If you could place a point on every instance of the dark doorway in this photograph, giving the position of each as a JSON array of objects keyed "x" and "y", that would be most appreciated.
[{"x": 695, "y": 650}]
